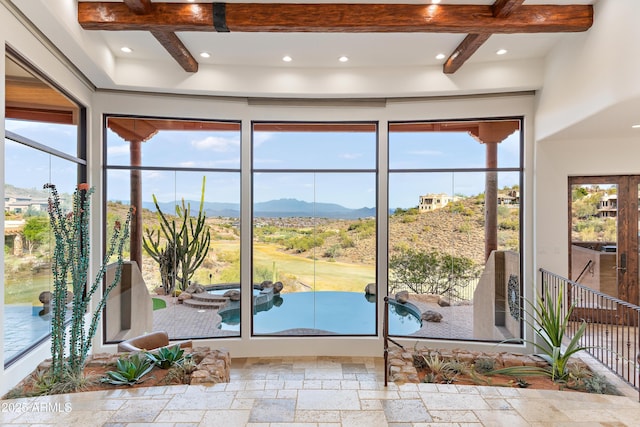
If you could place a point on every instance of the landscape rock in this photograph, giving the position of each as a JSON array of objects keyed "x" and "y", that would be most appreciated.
[
  {"x": 45, "y": 297},
  {"x": 266, "y": 284},
  {"x": 183, "y": 296},
  {"x": 431, "y": 316},
  {"x": 195, "y": 288},
  {"x": 444, "y": 301},
  {"x": 232, "y": 294},
  {"x": 277, "y": 287},
  {"x": 402, "y": 297},
  {"x": 370, "y": 289}
]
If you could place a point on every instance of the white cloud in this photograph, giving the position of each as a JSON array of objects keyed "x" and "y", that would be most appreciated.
[
  {"x": 350, "y": 156},
  {"x": 118, "y": 150},
  {"x": 215, "y": 143},
  {"x": 260, "y": 137}
]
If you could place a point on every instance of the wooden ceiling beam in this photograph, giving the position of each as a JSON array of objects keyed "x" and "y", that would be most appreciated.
[
  {"x": 500, "y": 9},
  {"x": 347, "y": 18},
  {"x": 140, "y": 7},
  {"x": 169, "y": 40},
  {"x": 176, "y": 49}
]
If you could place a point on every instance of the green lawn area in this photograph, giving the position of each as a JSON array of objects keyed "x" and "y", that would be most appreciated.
[{"x": 320, "y": 274}]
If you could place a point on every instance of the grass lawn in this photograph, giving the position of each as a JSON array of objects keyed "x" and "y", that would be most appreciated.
[{"x": 319, "y": 274}]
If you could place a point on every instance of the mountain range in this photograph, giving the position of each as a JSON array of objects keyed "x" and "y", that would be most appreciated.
[{"x": 273, "y": 209}]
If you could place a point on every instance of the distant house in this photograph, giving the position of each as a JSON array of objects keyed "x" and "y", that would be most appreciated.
[
  {"x": 21, "y": 204},
  {"x": 430, "y": 202},
  {"x": 511, "y": 197},
  {"x": 608, "y": 206}
]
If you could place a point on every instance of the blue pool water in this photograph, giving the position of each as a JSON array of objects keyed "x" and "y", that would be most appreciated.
[
  {"x": 349, "y": 313},
  {"x": 23, "y": 326}
]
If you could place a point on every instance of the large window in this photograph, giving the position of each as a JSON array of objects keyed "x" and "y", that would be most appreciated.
[
  {"x": 183, "y": 176},
  {"x": 314, "y": 228},
  {"x": 44, "y": 134},
  {"x": 454, "y": 227}
]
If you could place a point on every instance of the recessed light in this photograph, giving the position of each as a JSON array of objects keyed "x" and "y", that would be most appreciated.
[
  {"x": 343, "y": 58},
  {"x": 636, "y": 126},
  {"x": 205, "y": 55},
  {"x": 126, "y": 49},
  {"x": 501, "y": 51},
  {"x": 435, "y": 1},
  {"x": 287, "y": 58},
  {"x": 440, "y": 56}
]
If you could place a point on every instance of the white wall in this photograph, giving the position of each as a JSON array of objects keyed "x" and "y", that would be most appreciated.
[
  {"x": 590, "y": 72},
  {"x": 13, "y": 34},
  {"x": 555, "y": 162}
]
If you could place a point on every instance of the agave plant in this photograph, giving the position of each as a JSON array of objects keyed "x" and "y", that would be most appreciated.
[
  {"x": 551, "y": 327},
  {"x": 166, "y": 357},
  {"x": 130, "y": 371}
]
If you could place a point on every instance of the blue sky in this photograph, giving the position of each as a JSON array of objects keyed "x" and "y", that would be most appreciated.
[{"x": 353, "y": 151}]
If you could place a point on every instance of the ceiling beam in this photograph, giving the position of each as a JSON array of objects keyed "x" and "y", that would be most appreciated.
[
  {"x": 500, "y": 9},
  {"x": 348, "y": 18},
  {"x": 504, "y": 8},
  {"x": 140, "y": 7},
  {"x": 169, "y": 40},
  {"x": 177, "y": 50}
]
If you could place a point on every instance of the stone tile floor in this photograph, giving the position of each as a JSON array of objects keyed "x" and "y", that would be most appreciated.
[{"x": 321, "y": 392}]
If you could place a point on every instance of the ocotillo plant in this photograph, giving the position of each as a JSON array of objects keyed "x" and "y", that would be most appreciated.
[
  {"x": 70, "y": 268},
  {"x": 189, "y": 242}
]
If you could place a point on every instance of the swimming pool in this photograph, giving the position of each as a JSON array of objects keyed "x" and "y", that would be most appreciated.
[
  {"x": 23, "y": 327},
  {"x": 348, "y": 313}
]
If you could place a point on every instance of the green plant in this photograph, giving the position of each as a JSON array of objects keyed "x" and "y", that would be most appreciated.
[
  {"x": 181, "y": 371},
  {"x": 129, "y": 370},
  {"x": 186, "y": 246},
  {"x": 166, "y": 357},
  {"x": 484, "y": 365},
  {"x": 550, "y": 326},
  {"x": 432, "y": 272},
  {"x": 70, "y": 267}
]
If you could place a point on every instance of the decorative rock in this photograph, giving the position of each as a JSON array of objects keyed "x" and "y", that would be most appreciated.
[
  {"x": 160, "y": 291},
  {"x": 195, "y": 288},
  {"x": 402, "y": 297},
  {"x": 370, "y": 289},
  {"x": 266, "y": 284},
  {"x": 444, "y": 302},
  {"x": 232, "y": 294},
  {"x": 277, "y": 287},
  {"x": 45, "y": 297},
  {"x": 183, "y": 296},
  {"x": 431, "y": 316}
]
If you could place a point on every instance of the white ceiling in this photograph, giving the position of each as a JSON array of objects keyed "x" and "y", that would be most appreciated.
[{"x": 308, "y": 50}]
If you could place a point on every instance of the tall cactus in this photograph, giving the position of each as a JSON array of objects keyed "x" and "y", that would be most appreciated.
[{"x": 187, "y": 243}]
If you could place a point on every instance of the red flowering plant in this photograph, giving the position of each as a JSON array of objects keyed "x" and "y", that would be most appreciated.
[{"x": 70, "y": 268}]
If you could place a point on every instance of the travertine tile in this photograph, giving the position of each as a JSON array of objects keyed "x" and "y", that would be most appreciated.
[
  {"x": 328, "y": 399},
  {"x": 174, "y": 416},
  {"x": 273, "y": 410},
  {"x": 363, "y": 419},
  {"x": 411, "y": 410},
  {"x": 227, "y": 418}
]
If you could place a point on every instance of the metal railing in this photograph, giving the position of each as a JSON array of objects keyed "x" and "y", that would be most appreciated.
[
  {"x": 611, "y": 335},
  {"x": 462, "y": 292}
]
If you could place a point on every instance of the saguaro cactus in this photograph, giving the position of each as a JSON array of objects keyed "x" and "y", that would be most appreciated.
[{"x": 186, "y": 246}]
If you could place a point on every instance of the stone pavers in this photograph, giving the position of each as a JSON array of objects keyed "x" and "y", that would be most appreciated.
[{"x": 349, "y": 392}]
